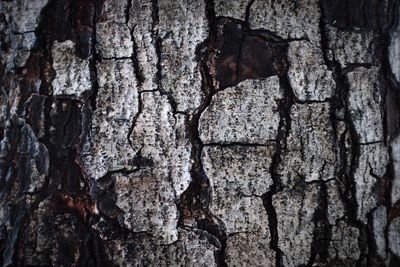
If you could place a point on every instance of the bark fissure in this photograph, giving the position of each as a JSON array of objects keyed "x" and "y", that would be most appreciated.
[
  {"x": 195, "y": 201},
  {"x": 213, "y": 133}
]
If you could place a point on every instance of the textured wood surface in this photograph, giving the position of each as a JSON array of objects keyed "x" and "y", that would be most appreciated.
[{"x": 200, "y": 133}]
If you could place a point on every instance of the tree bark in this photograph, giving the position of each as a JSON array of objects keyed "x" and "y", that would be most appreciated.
[{"x": 200, "y": 133}]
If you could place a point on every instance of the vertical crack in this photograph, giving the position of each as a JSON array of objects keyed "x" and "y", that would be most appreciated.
[
  {"x": 348, "y": 143},
  {"x": 94, "y": 58},
  {"x": 158, "y": 47},
  {"x": 135, "y": 119},
  {"x": 284, "y": 107},
  {"x": 273, "y": 223},
  {"x": 140, "y": 79},
  {"x": 248, "y": 9},
  {"x": 137, "y": 72},
  {"x": 128, "y": 11},
  {"x": 194, "y": 202},
  {"x": 322, "y": 232},
  {"x": 135, "y": 61},
  {"x": 340, "y": 103},
  {"x": 391, "y": 100},
  {"x": 134, "y": 57},
  {"x": 157, "y": 41}
]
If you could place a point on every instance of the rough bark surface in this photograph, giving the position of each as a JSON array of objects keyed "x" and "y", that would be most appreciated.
[{"x": 199, "y": 133}]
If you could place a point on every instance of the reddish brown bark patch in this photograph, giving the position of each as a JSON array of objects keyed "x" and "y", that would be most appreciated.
[{"x": 242, "y": 55}]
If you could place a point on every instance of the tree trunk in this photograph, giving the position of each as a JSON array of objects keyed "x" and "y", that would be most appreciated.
[{"x": 200, "y": 133}]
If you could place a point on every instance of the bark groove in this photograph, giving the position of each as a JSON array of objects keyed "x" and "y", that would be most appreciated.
[{"x": 199, "y": 133}]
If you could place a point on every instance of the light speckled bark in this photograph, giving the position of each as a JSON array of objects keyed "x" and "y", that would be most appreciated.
[
  {"x": 395, "y": 149},
  {"x": 364, "y": 104},
  {"x": 72, "y": 74},
  {"x": 107, "y": 147},
  {"x": 308, "y": 75},
  {"x": 199, "y": 133},
  {"x": 18, "y": 23},
  {"x": 182, "y": 28},
  {"x": 371, "y": 168},
  {"x": 246, "y": 113},
  {"x": 192, "y": 250},
  {"x": 344, "y": 242},
  {"x": 394, "y": 51},
  {"x": 288, "y": 20},
  {"x": 394, "y": 237},
  {"x": 380, "y": 224},
  {"x": 295, "y": 210},
  {"x": 310, "y": 152}
]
